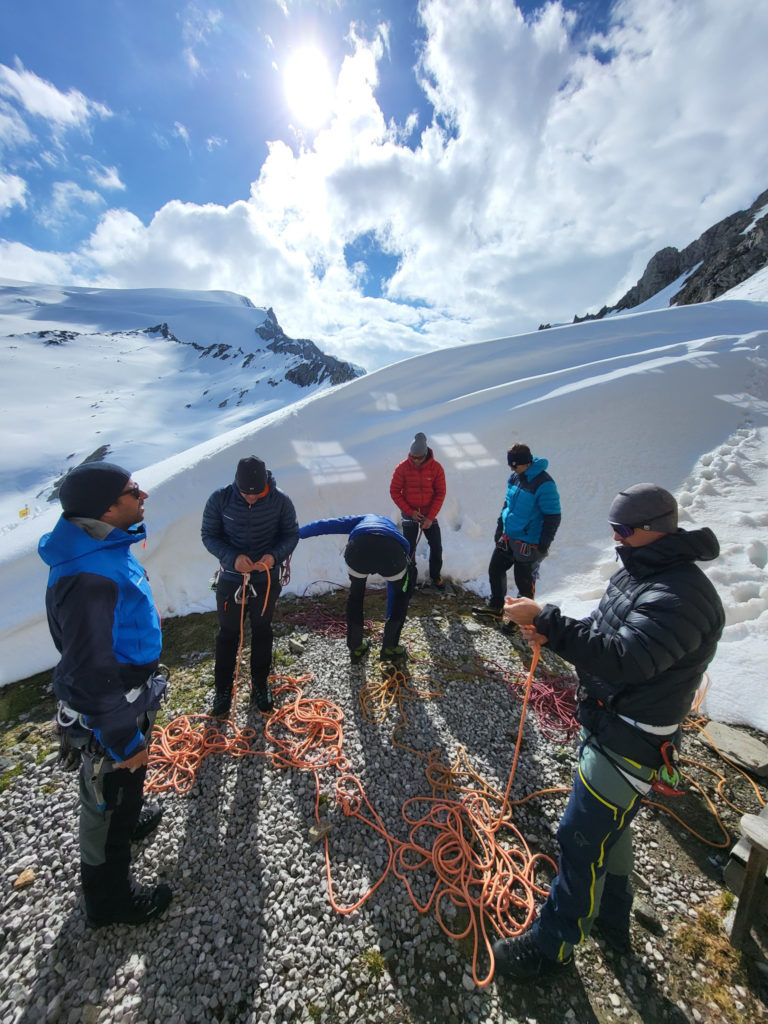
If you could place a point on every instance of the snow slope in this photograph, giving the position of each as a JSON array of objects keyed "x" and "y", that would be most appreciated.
[
  {"x": 86, "y": 367},
  {"x": 677, "y": 396}
]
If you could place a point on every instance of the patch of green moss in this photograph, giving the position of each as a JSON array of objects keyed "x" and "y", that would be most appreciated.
[
  {"x": 9, "y": 775},
  {"x": 705, "y": 941},
  {"x": 27, "y": 695},
  {"x": 374, "y": 961}
]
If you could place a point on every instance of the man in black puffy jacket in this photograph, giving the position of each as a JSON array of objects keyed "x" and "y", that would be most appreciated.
[
  {"x": 251, "y": 527},
  {"x": 640, "y": 658}
]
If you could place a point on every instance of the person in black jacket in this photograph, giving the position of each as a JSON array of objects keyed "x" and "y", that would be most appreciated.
[
  {"x": 108, "y": 683},
  {"x": 251, "y": 527},
  {"x": 639, "y": 658}
]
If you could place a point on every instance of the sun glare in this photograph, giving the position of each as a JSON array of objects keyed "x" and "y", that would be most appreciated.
[{"x": 308, "y": 87}]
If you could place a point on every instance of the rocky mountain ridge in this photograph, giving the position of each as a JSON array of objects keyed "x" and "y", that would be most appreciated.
[{"x": 726, "y": 254}]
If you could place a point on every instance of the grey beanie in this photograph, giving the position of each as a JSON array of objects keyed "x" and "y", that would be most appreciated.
[
  {"x": 87, "y": 491},
  {"x": 419, "y": 445},
  {"x": 646, "y": 507}
]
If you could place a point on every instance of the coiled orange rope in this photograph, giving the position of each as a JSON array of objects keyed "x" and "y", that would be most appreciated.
[{"x": 473, "y": 871}]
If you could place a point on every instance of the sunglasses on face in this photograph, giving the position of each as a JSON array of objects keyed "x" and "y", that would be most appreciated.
[
  {"x": 621, "y": 530},
  {"x": 135, "y": 492}
]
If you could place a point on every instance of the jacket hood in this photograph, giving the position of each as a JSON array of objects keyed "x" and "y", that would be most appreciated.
[
  {"x": 536, "y": 467},
  {"x": 671, "y": 549},
  {"x": 67, "y": 542}
]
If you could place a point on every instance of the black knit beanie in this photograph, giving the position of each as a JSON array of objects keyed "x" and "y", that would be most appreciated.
[
  {"x": 251, "y": 476},
  {"x": 87, "y": 491}
]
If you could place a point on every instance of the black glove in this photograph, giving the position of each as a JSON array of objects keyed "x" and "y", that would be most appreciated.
[
  {"x": 543, "y": 552},
  {"x": 499, "y": 530}
]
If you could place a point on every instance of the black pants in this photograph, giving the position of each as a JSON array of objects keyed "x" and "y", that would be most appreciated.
[
  {"x": 397, "y": 610},
  {"x": 376, "y": 554},
  {"x": 228, "y": 637},
  {"x": 526, "y": 574},
  {"x": 434, "y": 539}
]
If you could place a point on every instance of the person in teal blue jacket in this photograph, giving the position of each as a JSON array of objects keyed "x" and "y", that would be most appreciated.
[
  {"x": 376, "y": 547},
  {"x": 109, "y": 686},
  {"x": 525, "y": 529}
]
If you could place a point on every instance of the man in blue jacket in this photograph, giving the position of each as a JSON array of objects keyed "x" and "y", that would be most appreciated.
[
  {"x": 640, "y": 657},
  {"x": 526, "y": 527},
  {"x": 104, "y": 623},
  {"x": 376, "y": 547},
  {"x": 251, "y": 527}
]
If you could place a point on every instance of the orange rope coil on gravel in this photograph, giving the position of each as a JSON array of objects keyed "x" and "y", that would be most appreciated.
[
  {"x": 473, "y": 871},
  {"x": 455, "y": 838}
]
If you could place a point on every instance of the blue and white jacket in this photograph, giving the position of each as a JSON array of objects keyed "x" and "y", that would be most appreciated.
[
  {"x": 531, "y": 510},
  {"x": 104, "y": 623}
]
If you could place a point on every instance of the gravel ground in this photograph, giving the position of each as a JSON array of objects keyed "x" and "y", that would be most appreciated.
[{"x": 251, "y": 934}]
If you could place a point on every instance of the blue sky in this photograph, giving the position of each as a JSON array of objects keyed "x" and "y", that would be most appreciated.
[{"x": 461, "y": 169}]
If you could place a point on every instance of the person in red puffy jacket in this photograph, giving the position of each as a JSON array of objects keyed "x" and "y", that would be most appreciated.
[{"x": 418, "y": 490}]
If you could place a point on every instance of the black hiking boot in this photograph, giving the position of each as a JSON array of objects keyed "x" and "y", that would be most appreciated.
[
  {"x": 148, "y": 821},
  {"x": 145, "y": 904},
  {"x": 262, "y": 697},
  {"x": 487, "y": 611},
  {"x": 521, "y": 959},
  {"x": 613, "y": 936},
  {"x": 222, "y": 702}
]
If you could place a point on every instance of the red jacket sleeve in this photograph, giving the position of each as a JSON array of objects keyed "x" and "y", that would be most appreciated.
[
  {"x": 397, "y": 489},
  {"x": 438, "y": 492}
]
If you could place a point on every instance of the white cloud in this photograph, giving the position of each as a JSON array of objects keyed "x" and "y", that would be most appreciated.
[
  {"x": 104, "y": 177},
  {"x": 42, "y": 99},
  {"x": 21, "y": 263},
  {"x": 197, "y": 26},
  {"x": 541, "y": 189},
  {"x": 181, "y": 132},
  {"x": 67, "y": 200},
  {"x": 13, "y": 191},
  {"x": 13, "y": 131}
]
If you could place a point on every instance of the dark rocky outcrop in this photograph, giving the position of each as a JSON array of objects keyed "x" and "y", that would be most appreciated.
[
  {"x": 315, "y": 367},
  {"x": 722, "y": 257},
  {"x": 312, "y": 366},
  {"x": 57, "y": 337},
  {"x": 99, "y": 455}
]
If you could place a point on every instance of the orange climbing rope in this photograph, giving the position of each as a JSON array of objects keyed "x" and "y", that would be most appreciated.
[
  {"x": 473, "y": 870},
  {"x": 457, "y": 839},
  {"x": 179, "y": 748}
]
